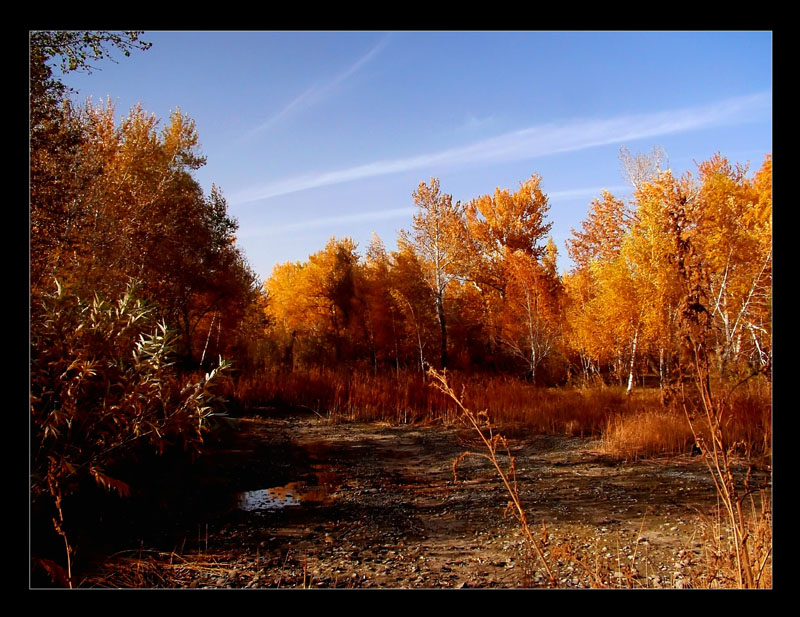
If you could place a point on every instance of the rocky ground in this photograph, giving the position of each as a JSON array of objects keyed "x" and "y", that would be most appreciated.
[{"x": 300, "y": 502}]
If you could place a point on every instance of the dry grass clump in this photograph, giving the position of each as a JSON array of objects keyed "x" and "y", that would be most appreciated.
[
  {"x": 571, "y": 411},
  {"x": 748, "y": 424},
  {"x": 645, "y": 427},
  {"x": 649, "y": 433},
  {"x": 351, "y": 396},
  {"x": 719, "y": 564},
  {"x": 138, "y": 569}
]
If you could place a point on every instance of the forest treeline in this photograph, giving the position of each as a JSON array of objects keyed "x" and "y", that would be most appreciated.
[
  {"x": 473, "y": 286},
  {"x": 141, "y": 300},
  {"x": 476, "y": 287}
]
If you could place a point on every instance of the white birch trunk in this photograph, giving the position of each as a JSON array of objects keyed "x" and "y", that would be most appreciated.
[{"x": 633, "y": 361}]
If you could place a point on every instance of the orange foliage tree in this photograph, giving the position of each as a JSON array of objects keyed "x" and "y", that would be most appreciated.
[
  {"x": 141, "y": 214},
  {"x": 438, "y": 237},
  {"x": 382, "y": 315},
  {"x": 625, "y": 292},
  {"x": 503, "y": 223},
  {"x": 507, "y": 265},
  {"x": 735, "y": 235},
  {"x": 415, "y": 302},
  {"x": 316, "y": 307},
  {"x": 530, "y": 317}
]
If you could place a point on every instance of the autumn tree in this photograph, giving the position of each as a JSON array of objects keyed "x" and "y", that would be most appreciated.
[
  {"x": 415, "y": 301},
  {"x": 604, "y": 312},
  {"x": 287, "y": 310},
  {"x": 504, "y": 223},
  {"x": 59, "y": 171},
  {"x": 249, "y": 342},
  {"x": 603, "y": 250},
  {"x": 150, "y": 220},
  {"x": 333, "y": 278},
  {"x": 602, "y": 232},
  {"x": 650, "y": 250},
  {"x": 438, "y": 236},
  {"x": 382, "y": 315},
  {"x": 317, "y": 307},
  {"x": 581, "y": 326},
  {"x": 734, "y": 235},
  {"x": 111, "y": 201},
  {"x": 529, "y": 322}
]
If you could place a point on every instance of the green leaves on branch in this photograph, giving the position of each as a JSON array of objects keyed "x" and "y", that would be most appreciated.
[{"x": 77, "y": 50}]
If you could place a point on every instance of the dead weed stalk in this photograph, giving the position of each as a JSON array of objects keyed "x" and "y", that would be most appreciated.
[
  {"x": 708, "y": 410},
  {"x": 493, "y": 443}
]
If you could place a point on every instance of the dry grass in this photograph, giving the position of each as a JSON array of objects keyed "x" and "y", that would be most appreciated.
[
  {"x": 647, "y": 428},
  {"x": 406, "y": 398},
  {"x": 355, "y": 397},
  {"x": 649, "y": 433},
  {"x": 748, "y": 425},
  {"x": 140, "y": 569},
  {"x": 718, "y": 566},
  {"x": 631, "y": 426}
]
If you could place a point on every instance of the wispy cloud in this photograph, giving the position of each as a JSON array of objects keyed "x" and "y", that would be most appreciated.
[
  {"x": 533, "y": 142},
  {"x": 316, "y": 93},
  {"x": 397, "y": 213},
  {"x": 359, "y": 217}
]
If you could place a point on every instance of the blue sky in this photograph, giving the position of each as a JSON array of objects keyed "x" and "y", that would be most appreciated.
[{"x": 314, "y": 134}]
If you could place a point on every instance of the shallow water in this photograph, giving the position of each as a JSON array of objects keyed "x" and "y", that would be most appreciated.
[
  {"x": 268, "y": 498},
  {"x": 291, "y": 494}
]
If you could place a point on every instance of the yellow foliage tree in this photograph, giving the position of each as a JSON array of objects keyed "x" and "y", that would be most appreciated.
[
  {"x": 438, "y": 237},
  {"x": 734, "y": 235},
  {"x": 506, "y": 222}
]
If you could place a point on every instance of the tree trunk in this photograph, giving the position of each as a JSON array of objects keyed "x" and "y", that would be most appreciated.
[
  {"x": 396, "y": 348},
  {"x": 443, "y": 326},
  {"x": 633, "y": 362},
  {"x": 208, "y": 338}
]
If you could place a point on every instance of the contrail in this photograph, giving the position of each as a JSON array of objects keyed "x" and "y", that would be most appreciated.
[
  {"x": 316, "y": 93},
  {"x": 396, "y": 213},
  {"x": 533, "y": 142},
  {"x": 373, "y": 215}
]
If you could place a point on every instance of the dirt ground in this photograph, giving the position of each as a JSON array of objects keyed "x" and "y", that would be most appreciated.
[{"x": 297, "y": 501}]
